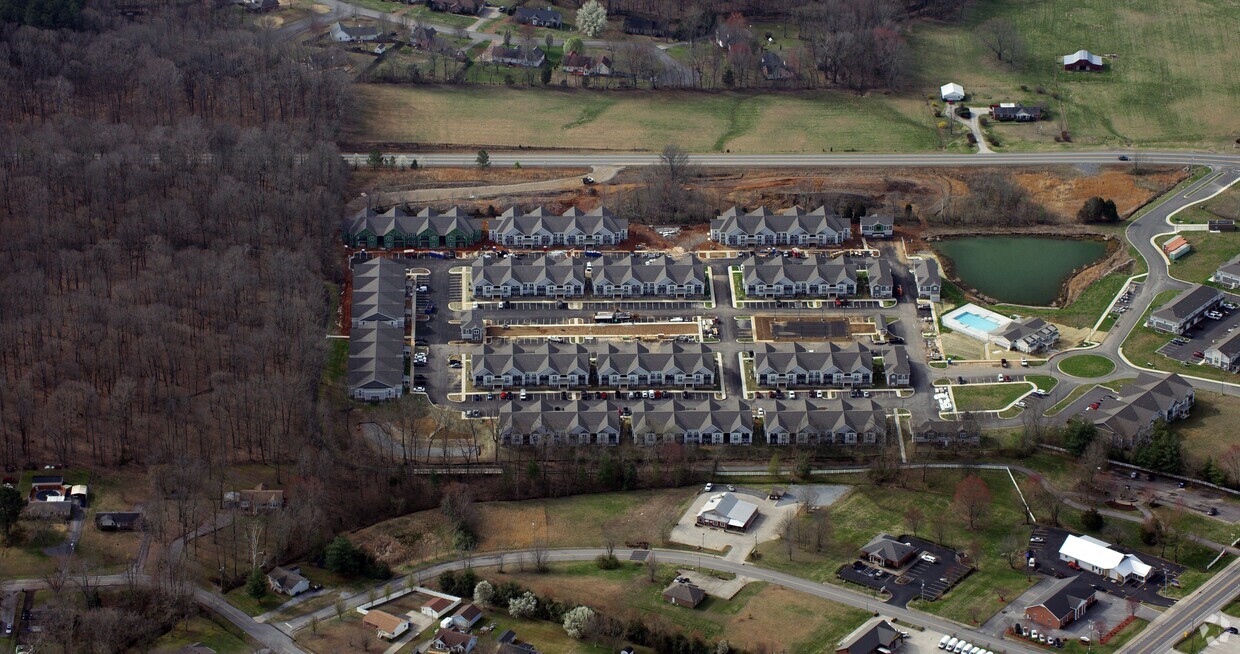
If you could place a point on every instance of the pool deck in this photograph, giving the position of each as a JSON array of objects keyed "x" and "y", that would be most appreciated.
[{"x": 973, "y": 314}]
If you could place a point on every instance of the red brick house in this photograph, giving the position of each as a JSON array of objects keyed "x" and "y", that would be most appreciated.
[{"x": 1065, "y": 603}]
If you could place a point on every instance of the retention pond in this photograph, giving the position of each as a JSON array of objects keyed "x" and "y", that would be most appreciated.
[{"x": 1019, "y": 269}]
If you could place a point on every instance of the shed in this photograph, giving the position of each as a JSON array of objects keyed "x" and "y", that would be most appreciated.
[{"x": 952, "y": 92}]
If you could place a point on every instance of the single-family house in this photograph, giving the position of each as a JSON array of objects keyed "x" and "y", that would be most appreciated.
[
  {"x": 466, "y": 616},
  {"x": 118, "y": 521},
  {"x": 344, "y": 33},
  {"x": 530, "y": 276},
  {"x": 1225, "y": 353},
  {"x": 385, "y": 624},
  {"x": 1082, "y": 60},
  {"x": 1065, "y": 602},
  {"x": 684, "y": 595},
  {"x": 728, "y": 36},
  {"x": 1096, "y": 556},
  {"x": 423, "y": 37},
  {"x": 644, "y": 26},
  {"x": 775, "y": 69},
  {"x": 380, "y": 290},
  {"x": 466, "y": 7},
  {"x": 376, "y": 362},
  {"x": 579, "y": 64},
  {"x": 439, "y": 607},
  {"x": 878, "y": 226},
  {"x": 287, "y": 581},
  {"x": 628, "y": 365},
  {"x": 929, "y": 283},
  {"x": 888, "y": 551},
  {"x": 880, "y": 638},
  {"x": 792, "y": 227},
  {"x": 262, "y": 6},
  {"x": 1150, "y": 398},
  {"x": 546, "y": 365},
  {"x": 813, "y": 276},
  {"x": 1026, "y": 335},
  {"x": 538, "y": 17},
  {"x": 259, "y": 498},
  {"x": 878, "y": 277},
  {"x": 825, "y": 422},
  {"x": 1228, "y": 274},
  {"x": 793, "y": 365},
  {"x": 537, "y": 228},
  {"x": 1186, "y": 310},
  {"x": 517, "y": 55},
  {"x": 951, "y": 92},
  {"x": 447, "y": 641},
  {"x": 727, "y": 511},
  {"x": 661, "y": 276},
  {"x": 1011, "y": 111},
  {"x": 53, "y": 509}
]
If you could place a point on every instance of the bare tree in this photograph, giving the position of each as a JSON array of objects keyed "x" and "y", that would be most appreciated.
[
  {"x": 787, "y": 528},
  {"x": 820, "y": 528},
  {"x": 652, "y": 566},
  {"x": 538, "y": 556},
  {"x": 913, "y": 518},
  {"x": 1002, "y": 38},
  {"x": 609, "y": 540}
]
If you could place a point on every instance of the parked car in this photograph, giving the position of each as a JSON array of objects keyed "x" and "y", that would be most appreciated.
[
  {"x": 929, "y": 558},
  {"x": 709, "y": 488},
  {"x": 731, "y": 488}
]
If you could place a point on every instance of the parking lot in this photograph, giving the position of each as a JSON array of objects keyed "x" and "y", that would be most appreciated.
[
  {"x": 1046, "y": 555},
  {"x": 1194, "y": 342},
  {"x": 920, "y": 579}
]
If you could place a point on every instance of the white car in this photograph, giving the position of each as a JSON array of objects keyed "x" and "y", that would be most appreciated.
[
  {"x": 419, "y": 389},
  {"x": 929, "y": 558},
  {"x": 943, "y": 642},
  {"x": 709, "y": 487},
  {"x": 951, "y": 644},
  {"x": 1036, "y": 539}
]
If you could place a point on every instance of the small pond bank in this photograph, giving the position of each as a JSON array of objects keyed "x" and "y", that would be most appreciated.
[{"x": 1019, "y": 269}]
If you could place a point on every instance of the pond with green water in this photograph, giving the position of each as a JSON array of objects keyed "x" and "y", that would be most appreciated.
[{"x": 1018, "y": 269}]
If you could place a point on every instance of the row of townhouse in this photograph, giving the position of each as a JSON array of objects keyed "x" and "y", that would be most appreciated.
[
  {"x": 1148, "y": 399},
  {"x": 693, "y": 422},
  {"x": 1186, "y": 310},
  {"x": 542, "y": 365},
  {"x": 661, "y": 276},
  {"x": 540, "y": 276},
  {"x": 1228, "y": 274},
  {"x": 377, "y": 347},
  {"x": 395, "y": 228},
  {"x": 637, "y": 365},
  {"x": 815, "y": 276},
  {"x": 794, "y": 226},
  {"x": 618, "y": 365},
  {"x": 793, "y": 365},
  {"x": 574, "y": 227},
  {"x": 1225, "y": 353}
]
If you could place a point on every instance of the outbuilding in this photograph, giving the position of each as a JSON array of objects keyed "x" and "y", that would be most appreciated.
[
  {"x": 684, "y": 595},
  {"x": 952, "y": 92},
  {"x": 1082, "y": 60}
]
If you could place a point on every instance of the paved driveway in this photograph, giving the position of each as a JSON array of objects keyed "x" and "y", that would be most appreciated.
[{"x": 739, "y": 545}]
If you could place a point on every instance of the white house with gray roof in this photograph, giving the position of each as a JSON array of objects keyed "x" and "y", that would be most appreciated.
[
  {"x": 1186, "y": 310},
  {"x": 637, "y": 365},
  {"x": 785, "y": 365},
  {"x": 878, "y": 276},
  {"x": 380, "y": 289},
  {"x": 658, "y": 276},
  {"x": 546, "y": 364},
  {"x": 794, "y": 226},
  {"x": 376, "y": 362},
  {"x": 539, "y": 276},
  {"x": 825, "y": 422},
  {"x": 343, "y": 33},
  {"x": 813, "y": 276},
  {"x": 573, "y": 228},
  {"x": 1027, "y": 335},
  {"x": 929, "y": 282},
  {"x": 1225, "y": 354},
  {"x": 878, "y": 226},
  {"x": 1228, "y": 275}
]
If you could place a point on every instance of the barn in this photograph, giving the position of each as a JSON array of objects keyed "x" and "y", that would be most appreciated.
[{"x": 1082, "y": 60}]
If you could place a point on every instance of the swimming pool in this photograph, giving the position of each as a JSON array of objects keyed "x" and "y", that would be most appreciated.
[{"x": 979, "y": 322}]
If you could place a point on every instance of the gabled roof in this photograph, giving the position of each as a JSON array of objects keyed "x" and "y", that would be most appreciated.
[
  {"x": 793, "y": 220},
  {"x": 378, "y": 290},
  {"x": 1065, "y": 597},
  {"x": 453, "y": 638},
  {"x": 815, "y": 269},
  {"x": 951, "y": 88},
  {"x": 927, "y": 272},
  {"x": 1100, "y": 555},
  {"x": 520, "y": 359},
  {"x": 1080, "y": 55},
  {"x": 880, "y": 635},
  {"x": 837, "y": 416},
  {"x": 592, "y": 223},
  {"x": 383, "y": 621},
  {"x": 664, "y": 269},
  {"x": 728, "y": 508},
  {"x": 541, "y": 269},
  {"x": 376, "y": 356},
  {"x": 286, "y": 578},
  {"x": 357, "y": 31},
  {"x": 888, "y": 547},
  {"x": 879, "y": 272},
  {"x": 1228, "y": 347},
  {"x": 544, "y": 15},
  {"x": 784, "y": 358},
  {"x": 870, "y": 221},
  {"x": 1187, "y": 303},
  {"x": 437, "y": 604},
  {"x": 1142, "y": 401},
  {"x": 635, "y": 358},
  {"x": 1231, "y": 267}
]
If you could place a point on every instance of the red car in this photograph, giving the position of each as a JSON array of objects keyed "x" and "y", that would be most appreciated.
[
  {"x": 1094, "y": 406},
  {"x": 1199, "y": 355}
]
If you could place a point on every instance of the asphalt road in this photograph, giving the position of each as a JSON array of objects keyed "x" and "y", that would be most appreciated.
[{"x": 1169, "y": 628}]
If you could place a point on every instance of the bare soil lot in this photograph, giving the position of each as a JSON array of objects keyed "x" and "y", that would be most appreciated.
[
  {"x": 618, "y": 331},
  {"x": 769, "y": 328}
]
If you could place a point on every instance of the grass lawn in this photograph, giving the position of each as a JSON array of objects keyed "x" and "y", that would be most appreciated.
[
  {"x": 1209, "y": 252},
  {"x": 988, "y": 397},
  {"x": 755, "y": 618},
  {"x": 1233, "y": 609},
  {"x": 1081, "y": 313},
  {"x": 239, "y": 598},
  {"x": 1210, "y": 429},
  {"x": 553, "y": 117},
  {"x": 1128, "y": 103},
  {"x": 1087, "y": 365},
  {"x": 1141, "y": 348},
  {"x": 1223, "y": 205},
  {"x": 1043, "y": 382},
  {"x": 218, "y": 635},
  {"x": 1199, "y": 639},
  {"x": 562, "y": 522}
]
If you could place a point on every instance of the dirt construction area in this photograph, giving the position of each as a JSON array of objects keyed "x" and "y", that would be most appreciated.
[
  {"x": 768, "y": 328},
  {"x": 618, "y": 331}
]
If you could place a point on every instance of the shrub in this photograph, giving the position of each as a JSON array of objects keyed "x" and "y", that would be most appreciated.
[
  {"x": 942, "y": 124},
  {"x": 524, "y": 606},
  {"x": 1092, "y": 520},
  {"x": 605, "y": 562},
  {"x": 578, "y": 622},
  {"x": 484, "y": 593}
]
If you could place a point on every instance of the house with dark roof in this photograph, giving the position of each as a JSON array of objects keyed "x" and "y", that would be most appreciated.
[
  {"x": 537, "y": 228},
  {"x": 1082, "y": 60},
  {"x": 395, "y": 228},
  {"x": 881, "y": 638},
  {"x": 1151, "y": 397},
  {"x": 814, "y": 276},
  {"x": 519, "y": 55},
  {"x": 878, "y": 277},
  {"x": 538, "y": 17},
  {"x": 118, "y": 521},
  {"x": 644, "y": 26},
  {"x": 344, "y": 33},
  {"x": 929, "y": 283},
  {"x": 627, "y": 365},
  {"x": 582, "y": 422},
  {"x": 546, "y": 364},
  {"x": 1026, "y": 335},
  {"x": 944, "y": 433},
  {"x": 1010, "y": 111},
  {"x": 1228, "y": 274},
  {"x": 1225, "y": 353},
  {"x": 692, "y": 422},
  {"x": 439, "y": 607},
  {"x": 376, "y": 362},
  {"x": 1221, "y": 225},
  {"x": 878, "y": 226},
  {"x": 661, "y": 276},
  {"x": 1065, "y": 602},
  {"x": 775, "y": 69},
  {"x": 380, "y": 290},
  {"x": 287, "y": 581},
  {"x": 257, "y": 499},
  {"x": 825, "y": 422},
  {"x": 529, "y": 276},
  {"x": 896, "y": 367},
  {"x": 1186, "y": 310},
  {"x": 579, "y": 64},
  {"x": 466, "y": 7},
  {"x": 473, "y": 327},
  {"x": 447, "y": 641},
  {"x": 727, "y": 511},
  {"x": 791, "y": 365},
  {"x": 888, "y": 551},
  {"x": 422, "y": 37},
  {"x": 793, "y": 226},
  {"x": 684, "y": 595}
]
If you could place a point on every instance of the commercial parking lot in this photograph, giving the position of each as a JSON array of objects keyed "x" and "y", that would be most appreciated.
[
  {"x": 1201, "y": 337},
  {"x": 919, "y": 579},
  {"x": 1046, "y": 555}
]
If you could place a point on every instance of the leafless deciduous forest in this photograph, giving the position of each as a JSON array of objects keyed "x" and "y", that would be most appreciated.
[{"x": 167, "y": 194}]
